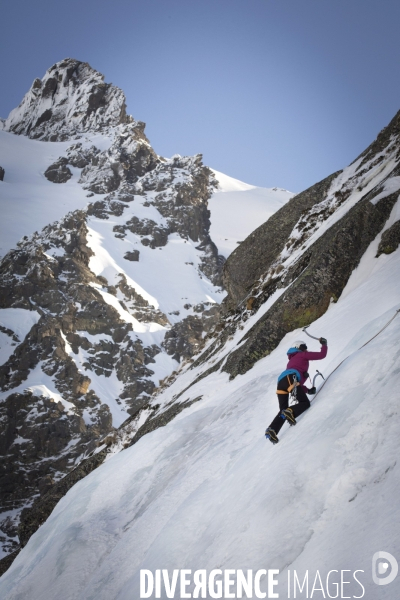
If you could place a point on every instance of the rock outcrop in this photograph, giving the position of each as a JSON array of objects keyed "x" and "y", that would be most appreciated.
[
  {"x": 71, "y": 99},
  {"x": 261, "y": 255},
  {"x": 41, "y": 440},
  {"x": 305, "y": 253},
  {"x": 186, "y": 338},
  {"x": 58, "y": 172},
  {"x": 254, "y": 256},
  {"x": 317, "y": 279},
  {"x": 390, "y": 240}
]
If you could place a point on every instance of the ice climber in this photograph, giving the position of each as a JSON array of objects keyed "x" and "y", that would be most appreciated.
[{"x": 293, "y": 379}]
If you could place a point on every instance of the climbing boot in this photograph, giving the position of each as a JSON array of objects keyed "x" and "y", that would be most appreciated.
[
  {"x": 271, "y": 435},
  {"x": 288, "y": 413}
]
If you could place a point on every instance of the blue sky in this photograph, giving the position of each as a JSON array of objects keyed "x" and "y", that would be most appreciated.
[{"x": 273, "y": 92}]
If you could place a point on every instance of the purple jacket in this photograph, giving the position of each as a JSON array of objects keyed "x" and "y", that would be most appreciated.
[{"x": 300, "y": 360}]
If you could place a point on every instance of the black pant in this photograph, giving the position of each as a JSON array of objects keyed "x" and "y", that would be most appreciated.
[{"x": 303, "y": 402}]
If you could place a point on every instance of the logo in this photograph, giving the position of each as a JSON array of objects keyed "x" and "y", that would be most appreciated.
[{"x": 381, "y": 561}]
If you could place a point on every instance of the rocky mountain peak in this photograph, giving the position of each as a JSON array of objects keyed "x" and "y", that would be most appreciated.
[
  {"x": 71, "y": 99},
  {"x": 119, "y": 291}
]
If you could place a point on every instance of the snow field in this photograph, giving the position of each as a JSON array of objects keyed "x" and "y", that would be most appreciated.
[
  {"x": 238, "y": 208},
  {"x": 166, "y": 277},
  {"x": 208, "y": 491},
  {"x": 28, "y": 201},
  {"x": 18, "y": 321}
]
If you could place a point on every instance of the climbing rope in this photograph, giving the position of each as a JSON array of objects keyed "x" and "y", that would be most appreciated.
[{"x": 376, "y": 335}]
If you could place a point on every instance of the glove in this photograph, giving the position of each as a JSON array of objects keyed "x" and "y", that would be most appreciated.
[
  {"x": 323, "y": 341},
  {"x": 312, "y": 391}
]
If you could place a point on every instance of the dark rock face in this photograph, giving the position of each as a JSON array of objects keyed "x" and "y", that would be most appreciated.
[
  {"x": 35, "y": 445},
  {"x": 155, "y": 235},
  {"x": 58, "y": 172},
  {"x": 7, "y": 561},
  {"x": 42, "y": 437},
  {"x": 184, "y": 206},
  {"x": 186, "y": 338},
  {"x": 184, "y": 186},
  {"x": 133, "y": 255},
  {"x": 128, "y": 158},
  {"x": 317, "y": 279},
  {"x": 312, "y": 274},
  {"x": 50, "y": 494},
  {"x": 80, "y": 102},
  {"x": 2, "y": 173},
  {"x": 80, "y": 157},
  {"x": 252, "y": 258},
  {"x": 390, "y": 240},
  {"x": 383, "y": 140}
]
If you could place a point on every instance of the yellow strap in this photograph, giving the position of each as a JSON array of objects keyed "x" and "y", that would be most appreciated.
[{"x": 291, "y": 386}]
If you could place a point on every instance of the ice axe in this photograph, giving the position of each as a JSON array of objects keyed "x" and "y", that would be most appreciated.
[
  {"x": 309, "y": 334},
  {"x": 315, "y": 377}
]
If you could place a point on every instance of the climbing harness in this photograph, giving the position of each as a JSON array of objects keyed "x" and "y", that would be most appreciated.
[{"x": 293, "y": 391}]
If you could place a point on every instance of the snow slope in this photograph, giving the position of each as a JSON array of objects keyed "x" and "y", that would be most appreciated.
[
  {"x": 167, "y": 277},
  {"x": 28, "y": 201},
  {"x": 238, "y": 208},
  {"x": 15, "y": 323},
  {"x": 208, "y": 492}
]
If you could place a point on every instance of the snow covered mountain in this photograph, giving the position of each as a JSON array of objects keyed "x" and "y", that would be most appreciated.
[
  {"x": 110, "y": 277},
  {"x": 188, "y": 481},
  {"x": 208, "y": 492}
]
